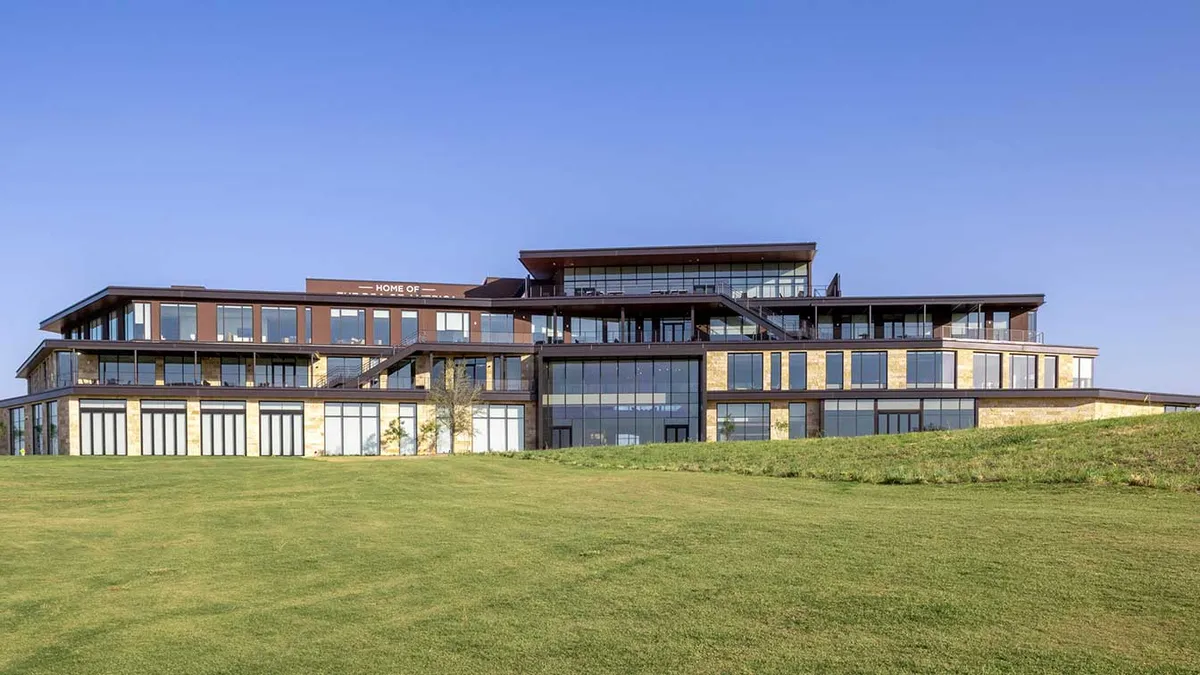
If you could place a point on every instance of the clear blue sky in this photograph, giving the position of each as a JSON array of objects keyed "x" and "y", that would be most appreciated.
[{"x": 928, "y": 147}]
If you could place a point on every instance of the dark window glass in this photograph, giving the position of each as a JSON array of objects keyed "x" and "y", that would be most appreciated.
[
  {"x": 496, "y": 327},
  {"x": 547, "y": 329},
  {"x": 797, "y": 420},
  {"x": 279, "y": 324},
  {"x": 233, "y": 372},
  {"x": 116, "y": 369},
  {"x": 931, "y": 370},
  {"x": 381, "y": 326},
  {"x": 180, "y": 370},
  {"x": 944, "y": 414},
  {"x": 39, "y": 428},
  {"x": 177, "y": 322},
  {"x": 409, "y": 329},
  {"x": 743, "y": 421},
  {"x": 745, "y": 372},
  {"x": 797, "y": 371},
  {"x": 342, "y": 368},
  {"x": 868, "y": 370},
  {"x": 506, "y": 374},
  {"x": 137, "y": 321},
  {"x": 290, "y": 371},
  {"x": 776, "y": 371},
  {"x": 146, "y": 370},
  {"x": 52, "y": 428},
  {"x": 235, "y": 323},
  {"x": 65, "y": 369},
  {"x": 347, "y": 326},
  {"x": 401, "y": 377},
  {"x": 308, "y": 336},
  {"x": 16, "y": 431},
  {"x": 834, "y": 370},
  {"x": 849, "y": 417},
  {"x": 475, "y": 369}
]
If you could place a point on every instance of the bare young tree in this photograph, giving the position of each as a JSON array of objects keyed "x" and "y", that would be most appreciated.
[{"x": 454, "y": 399}]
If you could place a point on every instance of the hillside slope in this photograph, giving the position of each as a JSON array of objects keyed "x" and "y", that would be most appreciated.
[{"x": 1156, "y": 451}]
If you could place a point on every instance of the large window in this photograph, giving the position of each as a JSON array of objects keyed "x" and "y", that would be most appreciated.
[
  {"x": 868, "y": 370},
  {"x": 1023, "y": 369},
  {"x": 351, "y": 429},
  {"x": 16, "y": 431},
  {"x": 222, "y": 428},
  {"x": 235, "y": 323},
  {"x": 967, "y": 325},
  {"x": 797, "y": 420},
  {"x": 547, "y": 329},
  {"x": 506, "y": 374},
  {"x": 65, "y": 369},
  {"x": 834, "y": 370},
  {"x": 281, "y": 428},
  {"x": 753, "y": 280},
  {"x": 408, "y": 423},
  {"x": 401, "y": 376},
  {"x": 146, "y": 370},
  {"x": 1000, "y": 326},
  {"x": 409, "y": 328},
  {"x": 987, "y": 370},
  {"x": 381, "y": 326},
  {"x": 1178, "y": 408},
  {"x": 931, "y": 370},
  {"x": 52, "y": 427},
  {"x": 906, "y": 326},
  {"x": 95, "y": 329},
  {"x": 797, "y": 371},
  {"x": 731, "y": 329},
  {"x": 589, "y": 329},
  {"x": 284, "y": 371},
  {"x": 116, "y": 369},
  {"x": 743, "y": 421},
  {"x": 164, "y": 427},
  {"x": 137, "y": 321},
  {"x": 39, "y": 429},
  {"x": 856, "y": 327},
  {"x": 496, "y": 327},
  {"x": 475, "y": 369},
  {"x": 850, "y": 417},
  {"x": 499, "y": 428},
  {"x": 179, "y": 370},
  {"x": 347, "y": 326},
  {"x": 745, "y": 372},
  {"x": 102, "y": 427},
  {"x": 949, "y": 413},
  {"x": 1084, "y": 367},
  {"x": 453, "y": 327},
  {"x": 621, "y": 402},
  {"x": 1050, "y": 374},
  {"x": 233, "y": 371},
  {"x": 279, "y": 324},
  {"x": 177, "y": 322},
  {"x": 776, "y": 371},
  {"x": 342, "y": 368}
]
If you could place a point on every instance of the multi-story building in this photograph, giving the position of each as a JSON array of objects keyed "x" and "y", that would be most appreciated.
[{"x": 593, "y": 346}]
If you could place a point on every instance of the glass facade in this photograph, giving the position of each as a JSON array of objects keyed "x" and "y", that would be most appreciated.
[
  {"x": 866, "y": 417},
  {"x": 754, "y": 280},
  {"x": 496, "y": 327},
  {"x": 621, "y": 402}
]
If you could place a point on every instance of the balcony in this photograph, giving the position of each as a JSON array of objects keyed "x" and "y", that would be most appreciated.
[{"x": 795, "y": 288}]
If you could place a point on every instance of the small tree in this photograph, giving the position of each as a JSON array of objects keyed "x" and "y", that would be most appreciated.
[
  {"x": 395, "y": 433},
  {"x": 726, "y": 428},
  {"x": 454, "y": 399},
  {"x": 782, "y": 427}
]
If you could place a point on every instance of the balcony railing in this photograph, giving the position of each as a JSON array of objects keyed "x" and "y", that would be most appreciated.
[
  {"x": 990, "y": 334},
  {"x": 797, "y": 289}
]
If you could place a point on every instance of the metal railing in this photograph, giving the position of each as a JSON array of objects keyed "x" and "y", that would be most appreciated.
[{"x": 990, "y": 334}]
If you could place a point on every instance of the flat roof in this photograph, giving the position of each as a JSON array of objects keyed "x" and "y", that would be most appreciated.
[{"x": 543, "y": 263}]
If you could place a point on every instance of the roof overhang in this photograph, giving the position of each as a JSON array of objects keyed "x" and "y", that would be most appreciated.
[{"x": 543, "y": 264}]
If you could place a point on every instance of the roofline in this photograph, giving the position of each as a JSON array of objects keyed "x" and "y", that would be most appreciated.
[{"x": 704, "y": 248}]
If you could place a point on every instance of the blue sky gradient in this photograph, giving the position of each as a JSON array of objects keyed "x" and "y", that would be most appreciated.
[{"x": 928, "y": 147}]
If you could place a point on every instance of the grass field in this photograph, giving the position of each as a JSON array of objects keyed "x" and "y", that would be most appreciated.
[{"x": 486, "y": 564}]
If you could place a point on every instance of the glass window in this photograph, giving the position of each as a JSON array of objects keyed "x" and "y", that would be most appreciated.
[
  {"x": 946, "y": 414},
  {"x": 52, "y": 427},
  {"x": 102, "y": 427},
  {"x": 308, "y": 337},
  {"x": 180, "y": 370},
  {"x": 907, "y": 326},
  {"x": 834, "y": 371},
  {"x": 453, "y": 327},
  {"x": 506, "y": 374},
  {"x": 235, "y": 323},
  {"x": 987, "y": 370},
  {"x": 731, "y": 329},
  {"x": 797, "y": 371},
  {"x": 475, "y": 369},
  {"x": 177, "y": 322},
  {"x": 16, "y": 431},
  {"x": 146, "y": 370},
  {"x": 496, "y": 327},
  {"x": 1050, "y": 376},
  {"x": 776, "y": 371},
  {"x": 408, "y": 422},
  {"x": 116, "y": 369},
  {"x": 849, "y": 417},
  {"x": 65, "y": 369},
  {"x": 351, "y": 429},
  {"x": 797, "y": 420},
  {"x": 164, "y": 427},
  {"x": 279, "y": 324},
  {"x": 743, "y": 421},
  {"x": 1023, "y": 369},
  {"x": 137, "y": 321},
  {"x": 292, "y": 371},
  {"x": 967, "y": 325},
  {"x": 233, "y": 371},
  {"x": 222, "y": 428},
  {"x": 381, "y": 326},
  {"x": 409, "y": 329},
  {"x": 745, "y": 372},
  {"x": 931, "y": 370},
  {"x": 1084, "y": 366},
  {"x": 114, "y": 324},
  {"x": 342, "y": 368},
  {"x": 347, "y": 326},
  {"x": 868, "y": 370},
  {"x": 499, "y": 428},
  {"x": 1000, "y": 326},
  {"x": 281, "y": 429},
  {"x": 1179, "y": 408},
  {"x": 401, "y": 376},
  {"x": 856, "y": 328},
  {"x": 39, "y": 429}
]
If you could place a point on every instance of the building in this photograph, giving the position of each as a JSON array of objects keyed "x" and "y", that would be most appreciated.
[{"x": 593, "y": 346}]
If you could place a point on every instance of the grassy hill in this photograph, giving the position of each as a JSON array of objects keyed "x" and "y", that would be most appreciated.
[
  {"x": 1156, "y": 451},
  {"x": 477, "y": 564}
]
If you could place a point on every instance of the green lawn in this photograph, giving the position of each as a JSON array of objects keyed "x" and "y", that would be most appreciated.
[{"x": 486, "y": 564}]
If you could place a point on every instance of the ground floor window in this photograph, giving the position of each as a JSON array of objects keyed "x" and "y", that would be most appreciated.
[
  {"x": 281, "y": 429},
  {"x": 16, "y": 431},
  {"x": 850, "y": 418},
  {"x": 52, "y": 426},
  {"x": 102, "y": 427},
  {"x": 351, "y": 429},
  {"x": 1179, "y": 408},
  {"x": 408, "y": 422},
  {"x": 499, "y": 428},
  {"x": 39, "y": 429},
  {"x": 797, "y": 420},
  {"x": 222, "y": 428},
  {"x": 743, "y": 421},
  {"x": 950, "y": 413},
  {"x": 865, "y": 417},
  {"x": 164, "y": 427}
]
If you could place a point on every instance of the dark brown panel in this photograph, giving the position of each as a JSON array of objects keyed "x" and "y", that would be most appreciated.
[{"x": 320, "y": 320}]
